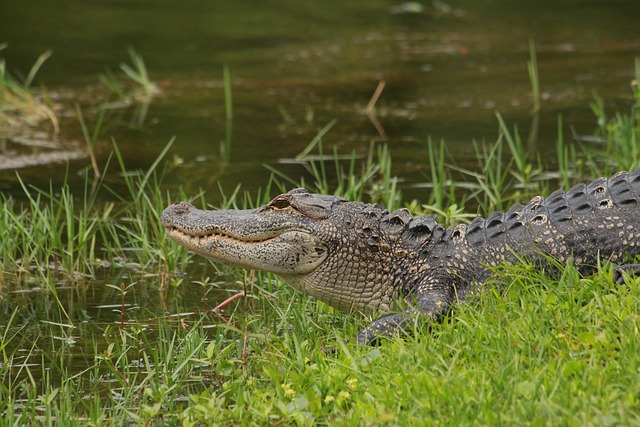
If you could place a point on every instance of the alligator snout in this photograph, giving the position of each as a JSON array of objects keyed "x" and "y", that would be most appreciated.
[
  {"x": 180, "y": 208},
  {"x": 171, "y": 213}
]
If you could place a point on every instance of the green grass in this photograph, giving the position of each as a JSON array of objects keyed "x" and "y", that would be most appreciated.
[{"x": 547, "y": 351}]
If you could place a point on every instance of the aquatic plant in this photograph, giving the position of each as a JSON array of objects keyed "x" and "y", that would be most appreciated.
[
  {"x": 139, "y": 90},
  {"x": 22, "y": 106}
]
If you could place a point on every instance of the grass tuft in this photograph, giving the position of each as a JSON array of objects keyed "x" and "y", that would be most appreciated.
[
  {"x": 138, "y": 90},
  {"x": 21, "y": 106}
]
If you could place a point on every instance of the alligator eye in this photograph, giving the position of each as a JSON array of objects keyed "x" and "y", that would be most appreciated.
[{"x": 280, "y": 203}]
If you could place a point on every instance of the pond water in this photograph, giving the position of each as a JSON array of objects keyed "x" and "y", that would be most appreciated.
[{"x": 296, "y": 66}]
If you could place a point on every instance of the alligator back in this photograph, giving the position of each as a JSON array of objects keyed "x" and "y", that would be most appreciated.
[{"x": 600, "y": 220}]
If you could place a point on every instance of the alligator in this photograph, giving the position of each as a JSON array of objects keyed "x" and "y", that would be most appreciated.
[{"x": 358, "y": 256}]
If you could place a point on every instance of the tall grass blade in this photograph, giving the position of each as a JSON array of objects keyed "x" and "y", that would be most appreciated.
[
  {"x": 36, "y": 67},
  {"x": 321, "y": 133}
]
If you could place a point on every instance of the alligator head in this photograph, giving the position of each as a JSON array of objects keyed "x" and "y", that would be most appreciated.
[
  {"x": 281, "y": 237},
  {"x": 334, "y": 249}
]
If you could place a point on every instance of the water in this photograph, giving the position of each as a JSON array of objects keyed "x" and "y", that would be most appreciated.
[
  {"x": 447, "y": 71},
  {"x": 296, "y": 66}
]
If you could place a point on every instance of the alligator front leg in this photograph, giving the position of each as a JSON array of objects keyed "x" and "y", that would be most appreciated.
[
  {"x": 433, "y": 306},
  {"x": 620, "y": 271}
]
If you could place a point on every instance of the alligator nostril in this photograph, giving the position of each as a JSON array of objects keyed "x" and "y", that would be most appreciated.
[{"x": 182, "y": 207}]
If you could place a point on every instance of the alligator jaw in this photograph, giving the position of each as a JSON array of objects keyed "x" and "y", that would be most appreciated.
[
  {"x": 196, "y": 240},
  {"x": 242, "y": 238},
  {"x": 192, "y": 238}
]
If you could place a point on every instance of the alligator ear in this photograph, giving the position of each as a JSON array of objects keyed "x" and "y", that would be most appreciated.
[
  {"x": 314, "y": 206},
  {"x": 313, "y": 211}
]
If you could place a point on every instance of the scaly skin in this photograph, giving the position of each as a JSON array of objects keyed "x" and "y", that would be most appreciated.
[{"x": 357, "y": 256}]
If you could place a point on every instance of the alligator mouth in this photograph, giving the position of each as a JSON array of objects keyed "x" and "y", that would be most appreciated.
[{"x": 201, "y": 238}]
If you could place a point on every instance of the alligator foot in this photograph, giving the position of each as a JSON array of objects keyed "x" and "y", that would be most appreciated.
[
  {"x": 621, "y": 270},
  {"x": 384, "y": 327},
  {"x": 433, "y": 306}
]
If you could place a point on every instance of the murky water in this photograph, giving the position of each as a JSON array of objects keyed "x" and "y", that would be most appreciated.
[
  {"x": 448, "y": 69},
  {"x": 296, "y": 66}
]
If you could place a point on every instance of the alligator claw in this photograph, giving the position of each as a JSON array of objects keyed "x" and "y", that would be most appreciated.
[
  {"x": 384, "y": 327},
  {"x": 620, "y": 271}
]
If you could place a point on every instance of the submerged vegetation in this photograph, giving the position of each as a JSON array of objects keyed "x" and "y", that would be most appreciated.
[
  {"x": 20, "y": 106},
  {"x": 548, "y": 351},
  {"x": 24, "y": 108}
]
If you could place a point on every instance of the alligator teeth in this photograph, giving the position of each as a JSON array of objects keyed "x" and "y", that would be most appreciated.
[{"x": 197, "y": 239}]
